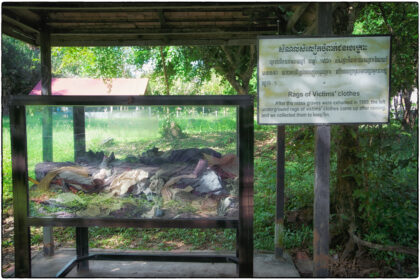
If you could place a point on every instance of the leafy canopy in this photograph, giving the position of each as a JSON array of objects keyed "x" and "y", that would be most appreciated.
[
  {"x": 401, "y": 21},
  {"x": 97, "y": 62}
]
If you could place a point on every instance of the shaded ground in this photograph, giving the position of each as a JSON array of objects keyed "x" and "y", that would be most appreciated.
[{"x": 265, "y": 265}]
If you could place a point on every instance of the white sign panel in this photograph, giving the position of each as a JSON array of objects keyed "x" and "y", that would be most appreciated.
[{"x": 323, "y": 80}]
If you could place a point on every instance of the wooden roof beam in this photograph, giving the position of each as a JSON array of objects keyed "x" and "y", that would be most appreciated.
[
  {"x": 142, "y": 10},
  {"x": 169, "y": 31},
  {"x": 162, "y": 19},
  {"x": 167, "y": 20},
  {"x": 122, "y": 6},
  {"x": 162, "y": 42},
  {"x": 15, "y": 33},
  {"x": 16, "y": 20}
]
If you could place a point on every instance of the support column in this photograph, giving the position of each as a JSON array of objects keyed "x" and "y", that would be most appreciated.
[
  {"x": 46, "y": 90},
  {"x": 20, "y": 192},
  {"x": 47, "y": 134},
  {"x": 321, "y": 201},
  {"x": 48, "y": 240},
  {"x": 322, "y": 170},
  {"x": 82, "y": 246},
  {"x": 79, "y": 131},
  {"x": 246, "y": 179},
  {"x": 279, "y": 228}
]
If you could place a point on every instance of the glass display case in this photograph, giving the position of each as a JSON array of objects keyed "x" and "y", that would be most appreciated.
[
  {"x": 140, "y": 162},
  {"x": 143, "y": 161}
]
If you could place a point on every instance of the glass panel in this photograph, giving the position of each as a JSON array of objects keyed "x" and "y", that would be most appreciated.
[{"x": 141, "y": 162}]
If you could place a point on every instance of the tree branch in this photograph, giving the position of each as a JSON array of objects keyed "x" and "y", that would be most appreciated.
[
  {"x": 252, "y": 61},
  {"x": 296, "y": 16},
  {"x": 232, "y": 62},
  {"x": 310, "y": 30},
  {"x": 392, "y": 248},
  {"x": 240, "y": 86},
  {"x": 247, "y": 74},
  {"x": 230, "y": 77},
  {"x": 228, "y": 56},
  {"x": 164, "y": 70},
  {"x": 381, "y": 8}
]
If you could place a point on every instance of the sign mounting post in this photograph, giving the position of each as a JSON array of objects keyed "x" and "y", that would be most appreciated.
[{"x": 321, "y": 213}]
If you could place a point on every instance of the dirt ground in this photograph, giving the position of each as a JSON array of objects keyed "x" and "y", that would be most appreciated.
[{"x": 7, "y": 250}]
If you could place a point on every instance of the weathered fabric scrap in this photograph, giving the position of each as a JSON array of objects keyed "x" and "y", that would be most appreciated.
[
  {"x": 121, "y": 184},
  {"x": 156, "y": 184},
  {"x": 176, "y": 179},
  {"x": 190, "y": 155},
  {"x": 43, "y": 168},
  {"x": 208, "y": 183},
  {"x": 228, "y": 206},
  {"x": 168, "y": 171},
  {"x": 169, "y": 194},
  {"x": 200, "y": 167},
  {"x": 232, "y": 186},
  {"x": 190, "y": 183},
  {"x": 91, "y": 157},
  {"x": 76, "y": 182},
  {"x": 226, "y": 166},
  {"x": 44, "y": 184},
  {"x": 212, "y": 160},
  {"x": 102, "y": 174}
]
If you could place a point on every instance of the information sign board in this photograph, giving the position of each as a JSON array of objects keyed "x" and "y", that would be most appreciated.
[{"x": 323, "y": 80}]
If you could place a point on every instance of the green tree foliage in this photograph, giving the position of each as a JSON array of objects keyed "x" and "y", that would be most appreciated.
[
  {"x": 235, "y": 63},
  {"x": 375, "y": 194},
  {"x": 171, "y": 62},
  {"x": 387, "y": 200},
  {"x": 195, "y": 63},
  {"x": 97, "y": 62},
  {"x": 20, "y": 68},
  {"x": 375, "y": 191},
  {"x": 401, "y": 21}
]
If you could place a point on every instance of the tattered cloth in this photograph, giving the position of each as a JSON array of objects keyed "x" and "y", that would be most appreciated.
[{"x": 202, "y": 169}]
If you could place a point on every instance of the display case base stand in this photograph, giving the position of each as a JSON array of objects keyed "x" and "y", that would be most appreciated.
[
  {"x": 168, "y": 257},
  {"x": 82, "y": 247}
]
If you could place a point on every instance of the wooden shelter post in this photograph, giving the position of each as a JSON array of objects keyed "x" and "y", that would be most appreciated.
[
  {"x": 47, "y": 133},
  {"x": 20, "y": 193},
  {"x": 79, "y": 131},
  {"x": 322, "y": 170},
  {"x": 246, "y": 189},
  {"x": 279, "y": 228},
  {"x": 82, "y": 247},
  {"x": 46, "y": 90},
  {"x": 279, "y": 223}
]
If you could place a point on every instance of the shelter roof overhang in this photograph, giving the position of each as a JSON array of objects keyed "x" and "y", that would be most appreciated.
[{"x": 147, "y": 23}]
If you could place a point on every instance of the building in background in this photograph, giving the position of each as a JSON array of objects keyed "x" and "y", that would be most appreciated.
[{"x": 90, "y": 86}]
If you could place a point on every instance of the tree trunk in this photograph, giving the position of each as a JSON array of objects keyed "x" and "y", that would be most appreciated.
[
  {"x": 239, "y": 80},
  {"x": 347, "y": 144},
  {"x": 240, "y": 89},
  {"x": 164, "y": 70}
]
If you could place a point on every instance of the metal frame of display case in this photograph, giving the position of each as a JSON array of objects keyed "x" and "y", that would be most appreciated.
[{"x": 243, "y": 224}]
